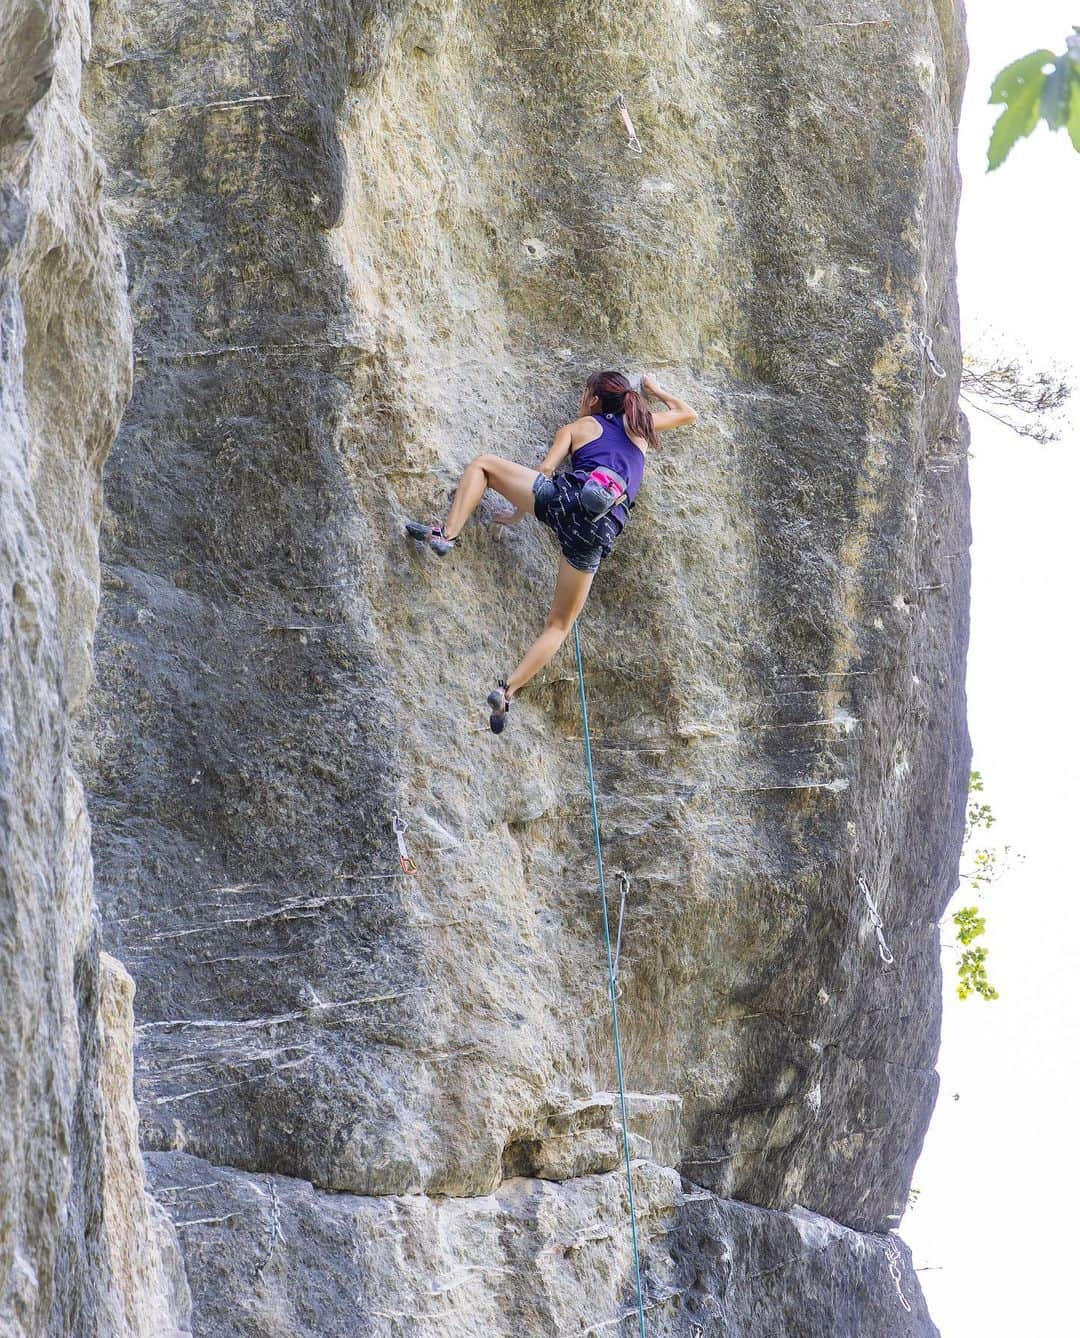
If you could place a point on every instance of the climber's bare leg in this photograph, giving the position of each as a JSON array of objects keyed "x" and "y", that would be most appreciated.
[
  {"x": 571, "y": 591},
  {"x": 513, "y": 481}
]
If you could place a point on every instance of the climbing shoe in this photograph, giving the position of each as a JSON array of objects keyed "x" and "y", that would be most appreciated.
[
  {"x": 431, "y": 534},
  {"x": 499, "y": 701}
]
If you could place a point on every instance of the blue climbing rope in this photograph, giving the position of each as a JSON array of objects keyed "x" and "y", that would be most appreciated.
[{"x": 611, "y": 982}]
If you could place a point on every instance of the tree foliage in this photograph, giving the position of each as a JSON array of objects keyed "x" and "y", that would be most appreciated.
[
  {"x": 1027, "y": 400},
  {"x": 1038, "y": 86},
  {"x": 972, "y": 975},
  {"x": 984, "y": 868}
]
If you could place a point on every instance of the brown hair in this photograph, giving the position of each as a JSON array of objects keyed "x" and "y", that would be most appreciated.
[{"x": 616, "y": 395}]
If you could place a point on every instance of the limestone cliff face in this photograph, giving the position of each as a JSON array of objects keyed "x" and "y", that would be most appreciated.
[
  {"x": 363, "y": 242},
  {"x": 72, "y": 1200}
]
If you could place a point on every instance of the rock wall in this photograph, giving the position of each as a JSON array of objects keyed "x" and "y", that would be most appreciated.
[
  {"x": 65, "y": 342},
  {"x": 364, "y": 241}
]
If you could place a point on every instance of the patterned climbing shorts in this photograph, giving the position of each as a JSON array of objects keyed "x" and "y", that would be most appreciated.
[{"x": 585, "y": 540}]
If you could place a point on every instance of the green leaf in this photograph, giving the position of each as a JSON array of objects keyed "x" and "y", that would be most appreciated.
[
  {"x": 1073, "y": 123},
  {"x": 1054, "y": 104},
  {"x": 1016, "y": 76},
  {"x": 1017, "y": 120},
  {"x": 969, "y": 924},
  {"x": 972, "y": 977}
]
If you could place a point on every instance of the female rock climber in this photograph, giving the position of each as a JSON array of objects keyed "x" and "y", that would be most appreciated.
[{"x": 607, "y": 444}]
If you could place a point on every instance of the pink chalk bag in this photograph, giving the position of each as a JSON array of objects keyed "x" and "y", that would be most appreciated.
[{"x": 602, "y": 490}]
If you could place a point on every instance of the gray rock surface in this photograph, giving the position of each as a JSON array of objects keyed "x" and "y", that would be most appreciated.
[
  {"x": 65, "y": 341},
  {"x": 269, "y": 1254},
  {"x": 364, "y": 240},
  {"x": 143, "y": 1249}
]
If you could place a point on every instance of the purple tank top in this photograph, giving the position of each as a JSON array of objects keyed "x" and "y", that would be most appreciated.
[{"x": 612, "y": 449}]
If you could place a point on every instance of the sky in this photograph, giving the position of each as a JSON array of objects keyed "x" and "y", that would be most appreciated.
[{"x": 992, "y": 1228}]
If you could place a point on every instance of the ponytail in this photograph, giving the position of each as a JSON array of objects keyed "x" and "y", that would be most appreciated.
[
  {"x": 616, "y": 395},
  {"x": 639, "y": 422}
]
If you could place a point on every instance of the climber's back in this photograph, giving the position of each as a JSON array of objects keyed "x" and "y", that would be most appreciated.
[{"x": 611, "y": 448}]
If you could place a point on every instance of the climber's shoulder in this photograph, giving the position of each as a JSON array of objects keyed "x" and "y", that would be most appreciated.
[{"x": 584, "y": 429}]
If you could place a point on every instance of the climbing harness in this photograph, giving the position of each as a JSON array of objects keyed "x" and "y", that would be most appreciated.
[
  {"x": 611, "y": 979},
  {"x": 927, "y": 345},
  {"x": 408, "y": 864},
  {"x": 879, "y": 925},
  {"x": 892, "y": 1255},
  {"x": 632, "y": 142}
]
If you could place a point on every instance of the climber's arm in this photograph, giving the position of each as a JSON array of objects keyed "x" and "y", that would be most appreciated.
[
  {"x": 678, "y": 412},
  {"x": 560, "y": 449}
]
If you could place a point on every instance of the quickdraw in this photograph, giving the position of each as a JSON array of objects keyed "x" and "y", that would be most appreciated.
[
  {"x": 624, "y": 888},
  {"x": 632, "y": 141},
  {"x": 408, "y": 864},
  {"x": 879, "y": 925},
  {"x": 927, "y": 345},
  {"x": 892, "y": 1255}
]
